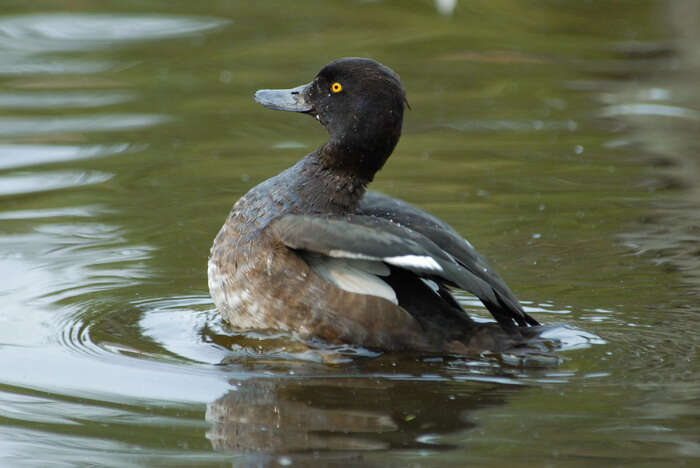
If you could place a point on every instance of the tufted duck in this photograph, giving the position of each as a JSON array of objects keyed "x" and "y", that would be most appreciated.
[{"x": 311, "y": 252}]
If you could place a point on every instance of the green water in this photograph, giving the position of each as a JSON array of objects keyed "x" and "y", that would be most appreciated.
[{"x": 559, "y": 137}]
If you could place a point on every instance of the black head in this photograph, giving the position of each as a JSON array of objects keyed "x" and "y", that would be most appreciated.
[{"x": 359, "y": 101}]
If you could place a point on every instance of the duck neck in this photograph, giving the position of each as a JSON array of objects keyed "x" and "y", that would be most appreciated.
[
  {"x": 361, "y": 149},
  {"x": 336, "y": 175},
  {"x": 328, "y": 188}
]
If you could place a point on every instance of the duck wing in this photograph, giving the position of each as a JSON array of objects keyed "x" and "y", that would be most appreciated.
[
  {"x": 448, "y": 239},
  {"x": 376, "y": 239}
]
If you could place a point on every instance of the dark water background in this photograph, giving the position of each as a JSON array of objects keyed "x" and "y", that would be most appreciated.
[{"x": 562, "y": 138}]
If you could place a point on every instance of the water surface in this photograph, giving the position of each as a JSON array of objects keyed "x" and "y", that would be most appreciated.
[{"x": 561, "y": 139}]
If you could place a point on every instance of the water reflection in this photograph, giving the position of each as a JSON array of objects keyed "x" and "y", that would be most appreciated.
[
  {"x": 67, "y": 100},
  {"x": 25, "y": 38},
  {"x": 281, "y": 415},
  {"x": 446, "y": 7},
  {"x": 15, "y": 63},
  {"x": 12, "y": 156},
  {"x": 41, "y": 33},
  {"x": 85, "y": 123},
  {"x": 650, "y": 109},
  {"x": 72, "y": 212},
  {"x": 16, "y": 184}
]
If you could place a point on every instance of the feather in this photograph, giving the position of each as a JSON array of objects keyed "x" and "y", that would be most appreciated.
[{"x": 352, "y": 275}]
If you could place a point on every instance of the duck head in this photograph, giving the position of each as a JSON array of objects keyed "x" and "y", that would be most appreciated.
[{"x": 360, "y": 102}]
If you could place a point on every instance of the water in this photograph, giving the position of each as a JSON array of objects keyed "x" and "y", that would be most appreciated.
[{"x": 561, "y": 139}]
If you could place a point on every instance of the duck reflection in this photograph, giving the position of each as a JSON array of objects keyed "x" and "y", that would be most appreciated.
[{"x": 295, "y": 415}]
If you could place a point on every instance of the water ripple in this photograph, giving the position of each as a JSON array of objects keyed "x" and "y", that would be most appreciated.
[
  {"x": 75, "y": 31},
  {"x": 65, "y": 100},
  {"x": 40, "y": 182},
  {"x": 87, "y": 123},
  {"x": 650, "y": 109},
  {"x": 22, "y": 64},
  {"x": 61, "y": 265},
  {"x": 12, "y": 156},
  {"x": 73, "y": 212}
]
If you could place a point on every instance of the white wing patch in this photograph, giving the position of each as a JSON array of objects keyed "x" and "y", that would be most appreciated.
[
  {"x": 345, "y": 254},
  {"x": 417, "y": 261},
  {"x": 358, "y": 276}
]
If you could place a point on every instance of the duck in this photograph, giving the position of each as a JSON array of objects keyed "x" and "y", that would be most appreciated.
[{"x": 312, "y": 253}]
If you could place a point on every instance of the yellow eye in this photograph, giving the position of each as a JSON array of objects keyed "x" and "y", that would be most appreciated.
[{"x": 336, "y": 87}]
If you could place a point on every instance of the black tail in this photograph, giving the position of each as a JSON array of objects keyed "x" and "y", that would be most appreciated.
[{"x": 509, "y": 313}]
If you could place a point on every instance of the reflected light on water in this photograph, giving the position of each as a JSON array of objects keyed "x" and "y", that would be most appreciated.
[
  {"x": 40, "y": 182},
  {"x": 650, "y": 109},
  {"x": 12, "y": 156},
  {"x": 63, "y": 99},
  {"x": 14, "y": 63},
  {"x": 446, "y": 7},
  {"x": 23, "y": 37},
  {"x": 72, "y": 212},
  {"x": 63, "y": 32},
  {"x": 85, "y": 123}
]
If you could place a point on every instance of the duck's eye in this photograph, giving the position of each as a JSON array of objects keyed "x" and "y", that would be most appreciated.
[{"x": 336, "y": 87}]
